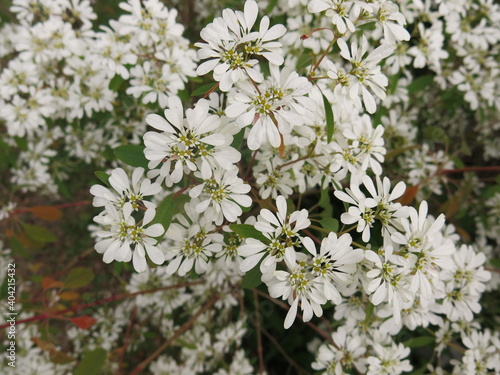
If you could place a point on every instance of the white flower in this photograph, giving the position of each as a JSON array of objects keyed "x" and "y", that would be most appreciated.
[
  {"x": 123, "y": 233},
  {"x": 194, "y": 242},
  {"x": 221, "y": 195},
  {"x": 334, "y": 264},
  {"x": 388, "y": 360},
  {"x": 187, "y": 144},
  {"x": 274, "y": 109},
  {"x": 365, "y": 71},
  {"x": 297, "y": 285},
  {"x": 126, "y": 190}
]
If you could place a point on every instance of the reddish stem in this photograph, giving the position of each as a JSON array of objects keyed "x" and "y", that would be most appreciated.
[
  {"x": 53, "y": 314},
  {"x": 64, "y": 205},
  {"x": 470, "y": 169}
]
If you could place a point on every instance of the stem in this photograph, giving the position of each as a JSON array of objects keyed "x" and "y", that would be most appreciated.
[
  {"x": 179, "y": 332},
  {"x": 250, "y": 165},
  {"x": 126, "y": 340},
  {"x": 323, "y": 55},
  {"x": 315, "y": 239},
  {"x": 286, "y": 307},
  {"x": 470, "y": 169},
  {"x": 262, "y": 369},
  {"x": 271, "y": 338},
  {"x": 64, "y": 205},
  {"x": 181, "y": 191},
  {"x": 53, "y": 314}
]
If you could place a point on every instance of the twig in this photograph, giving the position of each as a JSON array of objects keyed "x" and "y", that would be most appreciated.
[
  {"x": 470, "y": 169},
  {"x": 262, "y": 369},
  {"x": 286, "y": 307},
  {"x": 53, "y": 314},
  {"x": 126, "y": 340},
  {"x": 179, "y": 332},
  {"x": 283, "y": 353}
]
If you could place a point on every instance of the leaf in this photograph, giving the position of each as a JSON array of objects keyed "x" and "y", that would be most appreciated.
[
  {"x": 78, "y": 278},
  {"x": 369, "y": 312},
  {"x": 104, "y": 177},
  {"x": 132, "y": 155},
  {"x": 329, "y": 119},
  {"x": 409, "y": 195},
  {"x": 83, "y": 322},
  {"x": 417, "y": 342},
  {"x": 325, "y": 203},
  {"x": 330, "y": 224},
  {"x": 17, "y": 247},
  {"x": 252, "y": 278},
  {"x": 435, "y": 134},
  {"x": 495, "y": 262},
  {"x": 91, "y": 363},
  {"x": 238, "y": 139},
  {"x": 47, "y": 213},
  {"x": 48, "y": 283},
  {"x": 272, "y": 4},
  {"x": 164, "y": 213},
  {"x": 420, "y": 83},
  {"x": 115, "y": 83},
  {"x": 69, "y": 296},
  {"x": 40, "y": 234},
  {"x": 60, "y": 358},
  {"x": 304, "y": 60},
  {"x": 202, "y": 90},
  {"x": 248, "y": 231}
]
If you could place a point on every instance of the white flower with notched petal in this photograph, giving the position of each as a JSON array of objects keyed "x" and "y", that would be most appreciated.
[
  {"x": 389, "y": 360},
  {"x": 298, "y": 285},
  {"x": 279, "y": 104},
  {"x": 194, "y": 242},
  {"x": 187, "y": 143},
  {"x": 221, "y": 195},
  {"x": 365, "y": 72},
  {"x": 230, "y": 44},
  {"x": 126, "y": 190},
  {"x": 334, "y": 264},
  {"x": 123, "y": 233}
]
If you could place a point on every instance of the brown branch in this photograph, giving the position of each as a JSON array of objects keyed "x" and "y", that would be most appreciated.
[
  {"x": 126, "y": 340},
  {"x": 470, "y": 169},
  {"x": 53, "y": 314},
  {"x": 275, "y": 342},
  {"x": 286, "y": 307},
  {"x": 179, "y": 332},
  {"x": 262, "y": 369}
]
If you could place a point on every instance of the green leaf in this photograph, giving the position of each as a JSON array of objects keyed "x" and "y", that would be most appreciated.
[
  {"x": 195, "y": 79},
  {"x": 435, "y": 134},
  {"x": 40, "y": 234},
  {"x": 238, "y": 139},
  {"x": 418, "y": 342},
  {"x": 252, "y": 278},
  {"x": 495, "y": 262},
  {"x": 115, "y": 83},
  {"x": 164, "y": 213},
  {"x": 22, "y": 143},
  {"x": 91, "y": 363},
  {"x": 369, "y": 312},
  {"x": 330, "y": 224},
  {"x": 272, "y": 4},
  {"x": 419, "y": 371},
  {"x": 104, "y": 177},
  {"x": 420, "y": 83},
  {"x": 329, "y": 118},
  {"x": 78, "y": 278},
  {"x": 324, "y": 202},
  {"x": 249, "y": 231},
  {"x": 203, "y": 89},
  {"x": 132, "y": 155},
  {"x": 393, "y": 84},
  {"x": 17, "y": 247},
  {"x": 304, "y": 60}
]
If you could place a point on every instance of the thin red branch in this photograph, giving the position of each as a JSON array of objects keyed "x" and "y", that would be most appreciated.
[
  {"x": 179, "y": 332},
  {"x": 53, "y": 314},
  {"x": 470, "y": 169}
]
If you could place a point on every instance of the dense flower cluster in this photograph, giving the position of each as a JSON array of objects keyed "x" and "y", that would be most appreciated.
[{"x": 293, "y": 175}]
